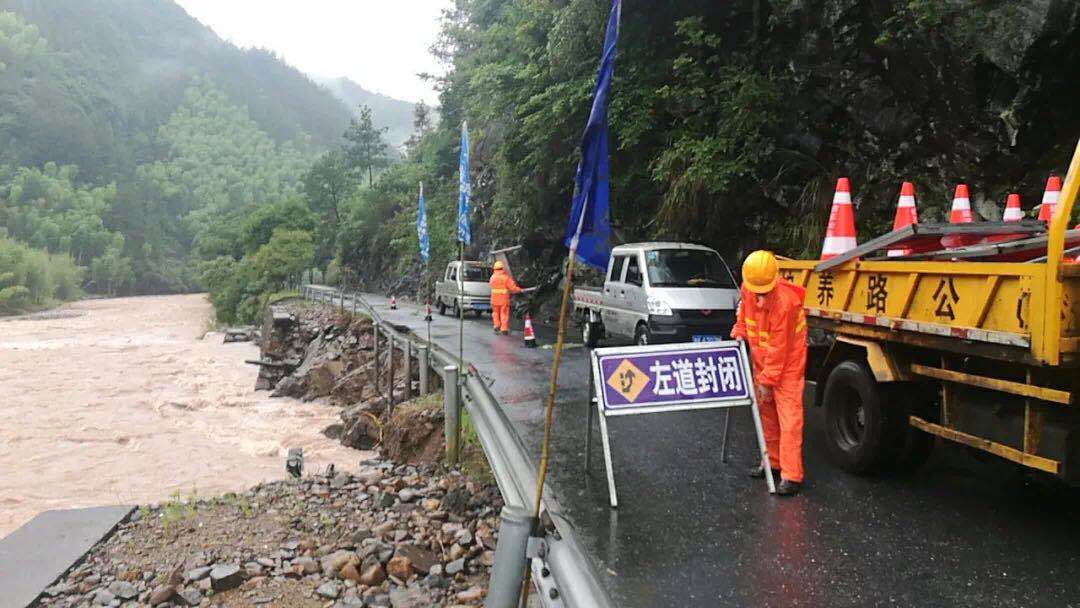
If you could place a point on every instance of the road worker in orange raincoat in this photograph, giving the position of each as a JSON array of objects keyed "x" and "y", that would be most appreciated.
[
  {"x": 502, "y": 285},
  {"x": 772, "y": 321}
]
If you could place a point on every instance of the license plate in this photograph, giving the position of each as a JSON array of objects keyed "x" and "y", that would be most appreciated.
[{"x": 706, "y": 338}]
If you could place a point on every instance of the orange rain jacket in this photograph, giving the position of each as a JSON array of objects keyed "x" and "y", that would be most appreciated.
[
  {"x": 502, "y": 285},
  {"x": 776, "y": 333}
]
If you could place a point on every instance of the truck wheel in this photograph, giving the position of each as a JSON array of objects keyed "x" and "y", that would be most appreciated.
[
  {"x": 641, "y": 335},
  {"x": 590, "y": 332},
  {"x": 442, "y": 307},
  {"x": 456, "y": 309},
  {"x": 857, "y": 418}
]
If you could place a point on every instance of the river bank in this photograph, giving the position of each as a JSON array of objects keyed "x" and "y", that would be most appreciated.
[{"x": 131, "y": 401}]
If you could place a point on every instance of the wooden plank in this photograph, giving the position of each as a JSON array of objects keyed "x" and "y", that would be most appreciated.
[
  {"x": 1013, "y": 454},
  {"x": 994, "y": 384}
]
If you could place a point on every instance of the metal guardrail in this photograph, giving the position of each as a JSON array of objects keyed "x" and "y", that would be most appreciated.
[{"x": 562, "y": 571}]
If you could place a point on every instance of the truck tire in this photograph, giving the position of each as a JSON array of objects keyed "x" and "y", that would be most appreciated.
[
  {"x": 860, "y": 426},
  {"x": 590, "y": 332},
  {"x": 642, "y": 336},
  {"x": 456, "y": 310},
  {"x": 442, "y": 307}
]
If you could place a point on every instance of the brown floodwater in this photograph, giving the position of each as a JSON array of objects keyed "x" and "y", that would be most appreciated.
[{"x": 126, "y": 401}]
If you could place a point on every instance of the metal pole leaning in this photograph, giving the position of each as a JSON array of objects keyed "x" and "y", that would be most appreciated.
[
  {"x": 390, "y": 375},
  {"x": 727, "y": 429},
  {"x": 504, "y": 589},
  {"x": 375, "y": 350},
  {"x": 407, "y": 371},
  {"x": 451, "y": 414},
  {"x": 425, "y": 368}
]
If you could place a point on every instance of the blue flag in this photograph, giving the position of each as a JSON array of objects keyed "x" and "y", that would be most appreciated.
[
  {"x": 589, "y": 230},
  {"x": 421, "y": 226},
  {"x": 464, "y": 235}
]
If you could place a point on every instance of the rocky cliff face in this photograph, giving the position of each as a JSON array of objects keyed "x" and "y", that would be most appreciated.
[{"x": 932, "y": 91}]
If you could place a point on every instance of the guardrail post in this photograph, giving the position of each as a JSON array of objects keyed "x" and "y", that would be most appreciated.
[
  {"x": 390, "y": 374},
  {"x": 451, "y": 413},
  {"x": 504, "y": 589},
  {"x": 425, "y": 368},
  {"x": 407, "y": 371},
  {"x": 375, "y": 350}
]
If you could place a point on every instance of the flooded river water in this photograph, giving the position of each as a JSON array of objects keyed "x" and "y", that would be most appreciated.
[{"x": 125, "y": 401}]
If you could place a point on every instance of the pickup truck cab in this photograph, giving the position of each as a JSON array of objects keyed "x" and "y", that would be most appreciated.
[
  {"x": 464, "y": 286},
  {"x": 660, "y": 293}
]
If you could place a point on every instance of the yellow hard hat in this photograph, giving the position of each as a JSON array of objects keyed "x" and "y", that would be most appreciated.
[
  {"x": 498, "y": 266},
  {"x": 760, "y": 272}
]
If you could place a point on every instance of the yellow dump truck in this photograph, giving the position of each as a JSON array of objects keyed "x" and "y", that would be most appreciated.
[{"x": 977, "y": 344}]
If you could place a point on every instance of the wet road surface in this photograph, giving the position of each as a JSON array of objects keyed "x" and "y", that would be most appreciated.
[{"x": 691, "y": 531}]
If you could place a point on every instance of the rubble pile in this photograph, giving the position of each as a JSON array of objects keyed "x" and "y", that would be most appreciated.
[
  {"x": 389, "y": 535},
  {"x": 313, "y": 351}
]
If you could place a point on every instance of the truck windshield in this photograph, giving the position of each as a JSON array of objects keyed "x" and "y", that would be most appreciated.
[
  {"x": 687, "y": 268},
  {"x": 478, "y": 274}
]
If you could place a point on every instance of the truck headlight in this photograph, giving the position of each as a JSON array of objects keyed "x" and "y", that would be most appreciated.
[{"x": 658, "y": 307}]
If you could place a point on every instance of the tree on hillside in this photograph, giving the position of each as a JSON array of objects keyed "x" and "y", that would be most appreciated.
[
  {"x": 366, "y": 149},
  {"x": 421, "y": 124},
  {"x": 327, "y": 185}
]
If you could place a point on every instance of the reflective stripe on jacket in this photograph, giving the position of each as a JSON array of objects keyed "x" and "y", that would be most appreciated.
[
  {"x": 502, "y": 285},
  {"x": 775, "y": 331}
]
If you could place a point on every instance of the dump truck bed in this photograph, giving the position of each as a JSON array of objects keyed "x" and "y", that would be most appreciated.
[{"x": 1001, "y": 309}]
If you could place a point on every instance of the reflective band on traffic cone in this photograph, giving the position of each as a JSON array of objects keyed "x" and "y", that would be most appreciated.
[
  {"x": 906, "y": 214},
  {"x": 840, "y": 235},
  {"x": 393, "y": 302},
  {"x": 961, "y": 206},
  {"x": 530, "y": 337},
  {"x": 1050, "y": 198},
  {"x": 1013, "y": 212}
]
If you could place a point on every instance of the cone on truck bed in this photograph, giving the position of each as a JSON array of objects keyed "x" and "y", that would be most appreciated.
[
  {"x": 906, "y": 214},
  {"x": 840, "y": 234},
  {"x": 1050, "y": 198},
  {"x": 1013, "y": 211}
]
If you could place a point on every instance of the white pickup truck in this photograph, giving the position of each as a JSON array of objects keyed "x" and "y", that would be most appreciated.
[
  {"x": 465, "y": 285},
  {"x": 659, "y": 293}
]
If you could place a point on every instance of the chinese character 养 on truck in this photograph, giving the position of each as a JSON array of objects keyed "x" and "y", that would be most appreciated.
[{"x": 977, "y": 344}]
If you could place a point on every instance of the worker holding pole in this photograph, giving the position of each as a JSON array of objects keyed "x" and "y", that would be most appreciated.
[
  {"x": 772, "y": 322},
  {"x": 502, "y": 285}
]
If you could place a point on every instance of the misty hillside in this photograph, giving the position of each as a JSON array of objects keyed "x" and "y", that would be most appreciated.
[
  {"x": 393, "y": 114},
  {"x": 118, "y": 68},
  {"x": 135, "y": 143}
]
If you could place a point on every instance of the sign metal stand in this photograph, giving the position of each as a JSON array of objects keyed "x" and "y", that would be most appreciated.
[{"x": 667, "y": 378}]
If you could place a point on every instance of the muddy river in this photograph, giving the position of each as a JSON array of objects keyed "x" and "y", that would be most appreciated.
[{"x": 129, "y": 401}]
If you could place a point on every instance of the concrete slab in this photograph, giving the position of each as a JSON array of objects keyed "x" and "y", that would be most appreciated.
[{"x": 38, "y": 553}]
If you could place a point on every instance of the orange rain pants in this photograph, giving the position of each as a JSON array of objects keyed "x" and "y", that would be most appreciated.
[
  {"x": 775, "y": 331},
  {"x": 502, "y": 285},
  {"x": 500, "y": 316}
]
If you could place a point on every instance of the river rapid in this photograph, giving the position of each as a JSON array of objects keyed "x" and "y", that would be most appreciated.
[{"x": 126, "y": 401}]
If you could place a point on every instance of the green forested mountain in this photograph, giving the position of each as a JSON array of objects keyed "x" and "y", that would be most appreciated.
[
  {"x": 395, "y": 115},
  {"x": 131, "y": 137}
]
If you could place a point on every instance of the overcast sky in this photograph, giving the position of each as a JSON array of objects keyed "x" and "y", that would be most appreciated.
[{"x": 380, "y": 44}]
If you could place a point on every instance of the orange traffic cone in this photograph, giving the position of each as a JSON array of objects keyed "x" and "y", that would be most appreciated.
[
  {"x": 530, "y": 337},
  {"x": 840, "y": 235},
  {"x": 1013, "y": 212},
  {"x": 393, "y": 302},
  {"x": 427, "y": 312},
  {"x": 961, "y": 206},
  {"x": 1050, "y": 198},
  {"x": 906, "y": 214}
]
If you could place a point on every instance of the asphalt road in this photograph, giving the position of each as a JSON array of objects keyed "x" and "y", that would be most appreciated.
[{"x": 691, "y": 531}]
